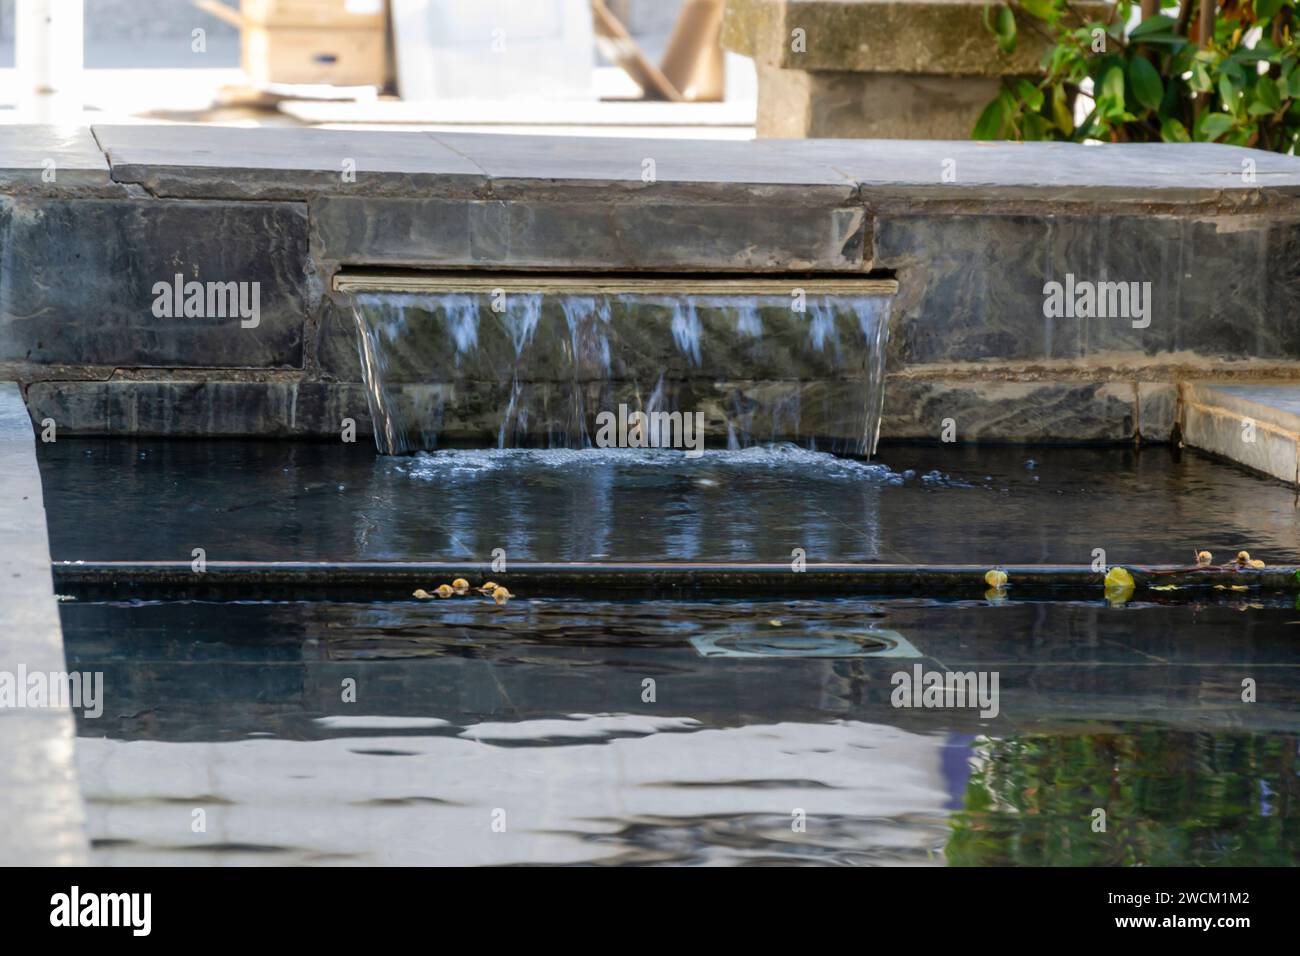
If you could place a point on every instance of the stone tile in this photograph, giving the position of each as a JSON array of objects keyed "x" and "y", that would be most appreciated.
[
  {"x": 41, "y": 813},
  {"x": 52, "y": 160},
  {"x": 917, "y": 408},
  {"x": 1141, "y": 172},
  {"x": 228, "y": 162},
  {"x": 591, "y": 235},
  {"x": 971, "y": 286},
  {"x": 79, "y": 277},
  {"x": 1254, "y": 425},
  {"x": 539, "y": 161},
  {"x": 193, "y": 408}
]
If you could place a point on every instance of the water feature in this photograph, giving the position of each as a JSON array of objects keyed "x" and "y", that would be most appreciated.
[
  {"x": 762, "y": 705},
  {"x": 508, "y": 364}
]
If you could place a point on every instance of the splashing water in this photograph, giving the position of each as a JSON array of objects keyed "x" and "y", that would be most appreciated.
[{"x": 534, "y": 370}]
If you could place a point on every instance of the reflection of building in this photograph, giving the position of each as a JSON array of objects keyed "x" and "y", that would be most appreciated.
[{"x": 585, "y": 788}]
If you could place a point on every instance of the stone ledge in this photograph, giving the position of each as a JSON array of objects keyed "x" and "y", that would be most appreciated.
[
  {"x": 919, "y": 409},
  {"x": 53, "y": 161},
  {"x": 295, "y": 164},
  {"x": 1256, "y": 425},
  {"x": 41, "y": 812}
]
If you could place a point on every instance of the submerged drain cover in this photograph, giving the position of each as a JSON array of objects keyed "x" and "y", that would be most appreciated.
[{"x": 872, "y": 643}]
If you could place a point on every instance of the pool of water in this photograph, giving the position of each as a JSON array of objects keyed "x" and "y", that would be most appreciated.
[
  {"x": 765, "y": 737},
  {"x": 240, "y": 500},
  {"x": 738, "y": 731}
]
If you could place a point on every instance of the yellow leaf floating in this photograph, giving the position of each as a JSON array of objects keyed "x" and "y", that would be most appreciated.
[
  {"x": 1231, "y": 587},
  {"x": 995, "y": 579},
  {"x": 1166, "y": 587},
  {"x": 1118, "y": 585},
  {"x": 1118, "y": 577},
  {"x": 422, "y": 594}
]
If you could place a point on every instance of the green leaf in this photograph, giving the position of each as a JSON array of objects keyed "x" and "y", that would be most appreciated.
[
  {"x": 1157, "y": 24},
  {"x": 1264, "y": 9},
  {"x": 995, "y": 119},
  {"x": 1061, "y": 112},
  {"x": 1200, "y": 81},
  {"x": 1214, "y": 125},
  {"x": 1267, "y": 93},
  {"x": 1293, "y": 84},
  {"x": 1006, "y": 30},
  {"x": 1228, "y": 90},
  {"x": 1111, "y": 99},
  {"x": 1145, "y": 83},
  {"x": 1173, "y": 131},
  {"x": 1030, "y": 94}
]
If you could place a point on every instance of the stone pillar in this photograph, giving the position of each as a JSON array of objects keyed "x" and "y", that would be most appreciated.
[{"x": 875, "y": 69}]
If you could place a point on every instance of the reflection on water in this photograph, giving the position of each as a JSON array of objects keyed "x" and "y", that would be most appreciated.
[
  {"x": 1170, "y": 798},
  {"x": 287, "y": 501},
  {"x": 538, "y": 714}
]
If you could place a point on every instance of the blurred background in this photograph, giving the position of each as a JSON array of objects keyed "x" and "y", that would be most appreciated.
[{"x": 612, "y": 67}]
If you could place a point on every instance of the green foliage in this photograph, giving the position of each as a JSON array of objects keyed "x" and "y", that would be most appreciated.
[{"x": 1152, "y": 83}]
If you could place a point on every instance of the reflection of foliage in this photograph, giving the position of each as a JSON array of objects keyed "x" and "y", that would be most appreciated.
[{"x": 1171, "y": 798}]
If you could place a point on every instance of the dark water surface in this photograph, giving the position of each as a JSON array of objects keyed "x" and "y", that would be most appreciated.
[
  {"x": 240, "y": 500},
  {"x": 736, "y": 732},
  {"x": 539, "y": 709}
]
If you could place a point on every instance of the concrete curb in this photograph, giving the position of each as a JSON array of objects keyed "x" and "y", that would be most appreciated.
[{"x": 42, "y": 818}]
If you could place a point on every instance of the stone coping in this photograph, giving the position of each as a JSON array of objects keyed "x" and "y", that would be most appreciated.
[
  {"x": 41, "y": 813},
  {"x": 1252, "y": 424},
  {"x": 206, "y": 162}
]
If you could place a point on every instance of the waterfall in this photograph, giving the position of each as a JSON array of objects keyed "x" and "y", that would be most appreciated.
[{"x": 533, "y": 369}]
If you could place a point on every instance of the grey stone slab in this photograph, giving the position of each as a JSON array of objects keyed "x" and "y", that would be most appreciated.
[
  {"x": 226, "y": 162},
  {"x": 648, "y": 166},
  {"x": 266, "y": 163},
  {"x": 591, "y": 235},
  {"x": 41, "y": 812},
  {"x": 968, "y": 169},
  {"x": 918, "y": 408},
  {"x": 79, "y": 276},
  {"x": 50, "y": 160},
  {"x": 211, "y": 409},
  {"x": 1254, "y": 425},
  {"x": 971, "y": 287}
]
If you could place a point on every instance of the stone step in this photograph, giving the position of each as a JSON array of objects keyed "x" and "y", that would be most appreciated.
[{"x": 1256, "y": 425}]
